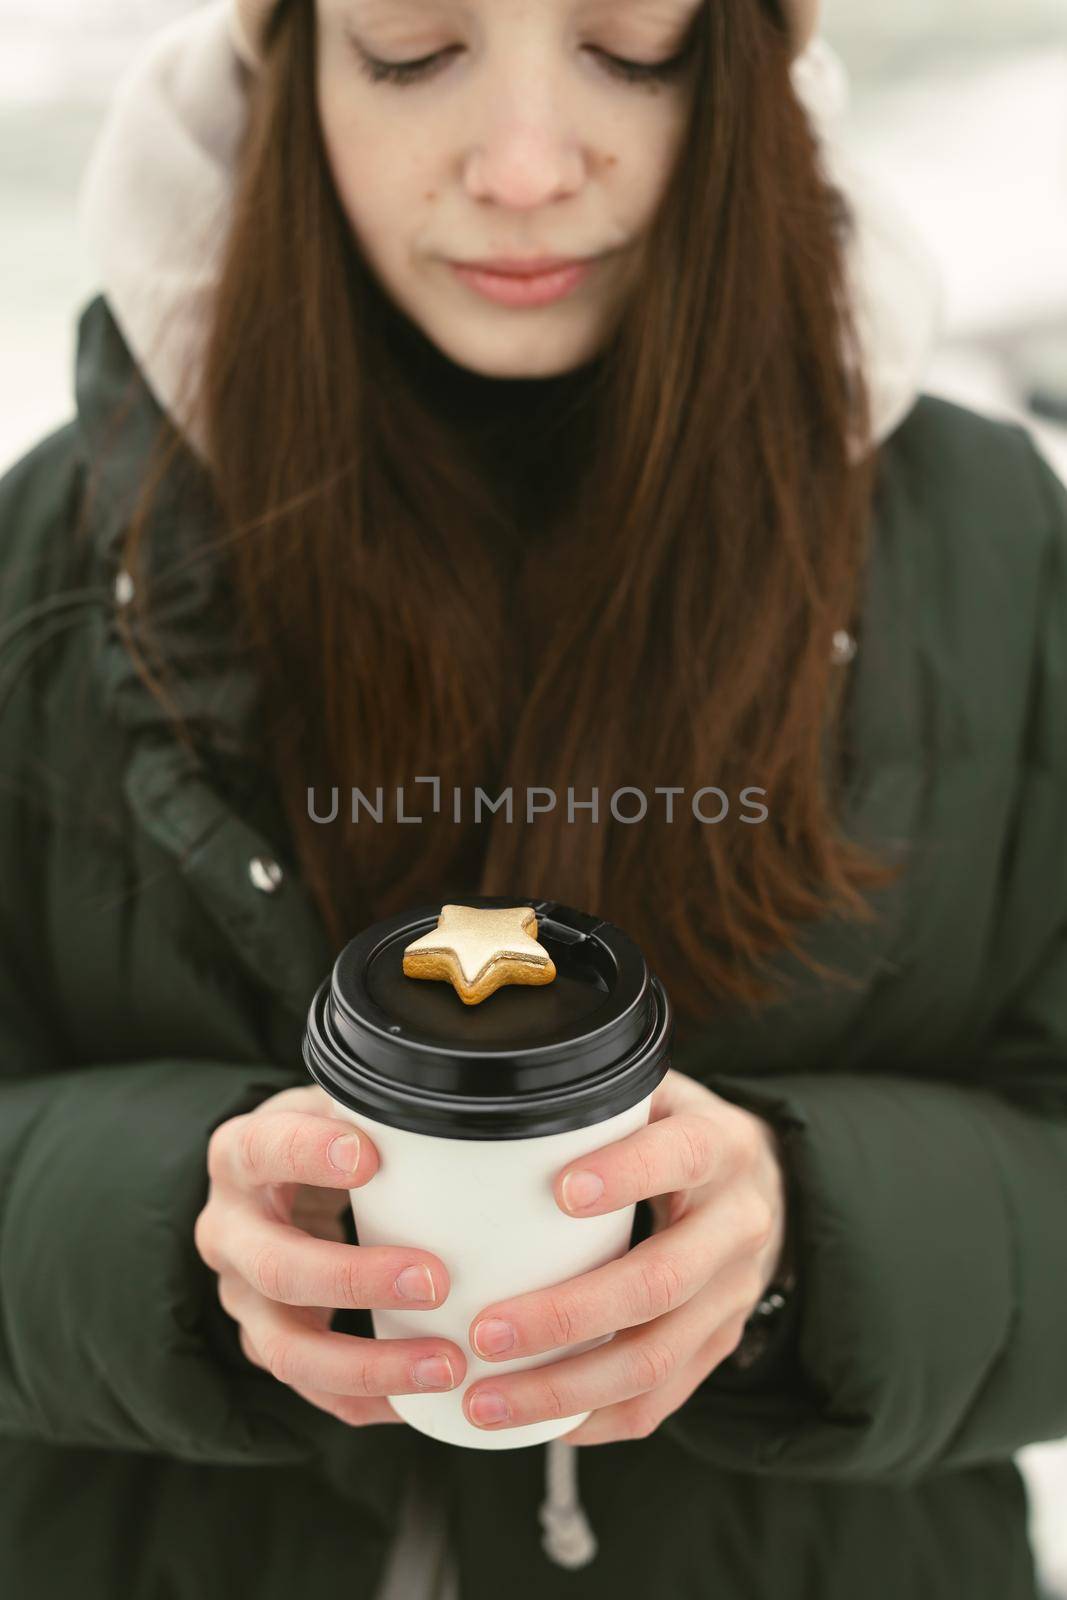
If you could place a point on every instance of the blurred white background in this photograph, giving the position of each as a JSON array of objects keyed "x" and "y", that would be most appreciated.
[{"x": 958, "y": 107}]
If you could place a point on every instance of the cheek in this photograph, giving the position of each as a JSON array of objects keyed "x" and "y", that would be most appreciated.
[
  {"x": 374, "y": 181},
  {"x": 640, "y": 155},
  {"x": 378, "y": 220},
  {"x": 636, "y": 178}
]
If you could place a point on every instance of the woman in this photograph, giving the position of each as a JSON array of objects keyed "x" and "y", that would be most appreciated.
[{"x": 337, "y": 511}]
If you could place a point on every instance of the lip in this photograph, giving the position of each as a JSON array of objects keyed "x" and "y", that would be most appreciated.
[
  {"x": 523, "y": 266},
  {"x": 534, "y": 282}
]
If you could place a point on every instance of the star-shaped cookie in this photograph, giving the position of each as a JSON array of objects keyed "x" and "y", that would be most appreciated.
[{"x": 479, "y": 949}]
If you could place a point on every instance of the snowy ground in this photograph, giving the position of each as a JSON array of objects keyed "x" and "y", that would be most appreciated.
[{"x": 972, "y": 141}]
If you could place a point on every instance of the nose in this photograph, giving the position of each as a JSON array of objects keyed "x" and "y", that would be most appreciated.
[{"x": 529, "y": 155}]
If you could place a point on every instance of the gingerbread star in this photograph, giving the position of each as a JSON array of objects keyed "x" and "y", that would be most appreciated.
[{"x": 478, "y": 950}]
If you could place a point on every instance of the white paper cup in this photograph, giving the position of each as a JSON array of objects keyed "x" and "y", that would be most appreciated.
[{"x": 474, "y": 1111}]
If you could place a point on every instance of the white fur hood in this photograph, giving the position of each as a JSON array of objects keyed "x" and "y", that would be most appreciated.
[{"x": 156, "y": 194}]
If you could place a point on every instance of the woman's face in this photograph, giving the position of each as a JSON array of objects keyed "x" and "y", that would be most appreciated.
[{"x": 536, "y": 131}]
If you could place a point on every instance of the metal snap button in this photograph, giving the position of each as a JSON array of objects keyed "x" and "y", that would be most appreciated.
[
  {"x": 843, "y": 648},
  {"x": 265, "y": 874}
]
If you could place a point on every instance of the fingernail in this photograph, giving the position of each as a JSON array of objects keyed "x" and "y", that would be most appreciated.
[
  {"x": 344, "y": 1152},
  {"x": 415, "y": 1283},
  {"x": 492, "y": 1337},
  {"x": 581, "y": 1189},
  {"x": 433, "y": 1372},
  {"x": 488, "y": 1405}
]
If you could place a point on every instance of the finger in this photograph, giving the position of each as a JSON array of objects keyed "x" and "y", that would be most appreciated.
[
  {"x": 339, "y": 1363},
  {"x": 354, "y": 1412},
  {"x": 679, "y": 1151},
  {"x": 278, "y": 1147},
  {"x": 657, "y": 1275},
  {"x": 677, "y": 1092},
  {"x": 633, "y": 1363},
  {"x": 248, "y": 1348},
  {"x": 310, "y": 1098},
  {"x": 296, "y": 1268},
  {"x": 637, "y": 1418},
  {"x": 231, "y": 1298}
]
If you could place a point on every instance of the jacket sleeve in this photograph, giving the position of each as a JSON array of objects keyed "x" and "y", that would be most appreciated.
[
  {"x": 111, "y": 1333},
  {"x": 110, "y": 1330},
  {"x": 932, "y": 1226}
]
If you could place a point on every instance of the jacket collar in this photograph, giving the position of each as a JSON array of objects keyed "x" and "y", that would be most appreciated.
[
  {"x": 120, "y": 421},
  {"x": 186, "y": 802}
]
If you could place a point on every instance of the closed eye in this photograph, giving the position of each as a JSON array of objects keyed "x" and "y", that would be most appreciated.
[
  {"x": 405, "y": 72},
  {"x": 643, "y": 71}
]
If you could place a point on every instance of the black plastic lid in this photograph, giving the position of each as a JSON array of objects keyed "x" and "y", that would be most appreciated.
[{"x": 526, "y": 1061}]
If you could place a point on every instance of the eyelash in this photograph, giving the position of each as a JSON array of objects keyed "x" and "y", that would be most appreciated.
[{"x": 406, "y": 72}]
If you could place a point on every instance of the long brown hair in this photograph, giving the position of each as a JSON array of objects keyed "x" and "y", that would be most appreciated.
[{"x": 633, "y": 579}]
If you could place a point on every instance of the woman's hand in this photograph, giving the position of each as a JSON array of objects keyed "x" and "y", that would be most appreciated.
[
  {"x": 271, "y": 1229},
  {"x": 711, "y": 1173}
]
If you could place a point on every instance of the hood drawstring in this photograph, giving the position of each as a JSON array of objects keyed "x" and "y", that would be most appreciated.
[{"x": 568, "y": 1539}]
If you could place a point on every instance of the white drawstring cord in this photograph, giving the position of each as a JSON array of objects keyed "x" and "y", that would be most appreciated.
[{"x": 568, "y": 1539}]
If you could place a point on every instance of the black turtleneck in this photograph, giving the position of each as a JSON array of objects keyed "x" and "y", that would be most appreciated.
[{"x": 528, "y": 433}]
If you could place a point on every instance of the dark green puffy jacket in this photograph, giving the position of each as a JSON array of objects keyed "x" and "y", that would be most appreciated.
[{"x": 150, "y": 989}]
